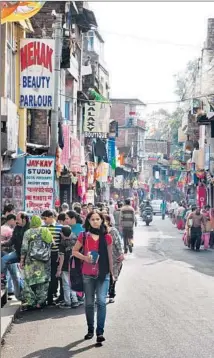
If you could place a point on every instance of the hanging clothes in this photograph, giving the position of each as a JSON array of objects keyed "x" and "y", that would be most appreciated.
[{"x": 100, "y": 150}]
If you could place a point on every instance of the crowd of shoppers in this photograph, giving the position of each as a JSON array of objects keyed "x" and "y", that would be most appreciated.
[{"x": 37, "y": 251}]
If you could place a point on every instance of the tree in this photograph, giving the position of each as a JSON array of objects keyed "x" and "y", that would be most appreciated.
[{"x": 184, "y": 79}]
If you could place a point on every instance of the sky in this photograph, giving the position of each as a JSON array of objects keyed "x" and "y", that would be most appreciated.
[{"x": 143, "y": 48}]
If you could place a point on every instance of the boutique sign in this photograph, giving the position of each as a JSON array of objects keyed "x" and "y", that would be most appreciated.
[{"x": 37, "y": 73}]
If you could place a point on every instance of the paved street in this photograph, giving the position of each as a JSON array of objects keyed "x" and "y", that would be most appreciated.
[{"x": 164, "y": 308}]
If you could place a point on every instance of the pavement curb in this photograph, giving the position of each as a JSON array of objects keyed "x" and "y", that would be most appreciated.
[{"x": 8, "y": 315}]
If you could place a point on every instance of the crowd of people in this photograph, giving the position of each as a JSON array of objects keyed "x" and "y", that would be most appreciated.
[
  {"x": 198, "y": 224},
  {"x": 37, "y": 252}
]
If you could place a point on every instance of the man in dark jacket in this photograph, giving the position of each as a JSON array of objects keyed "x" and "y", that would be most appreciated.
[{"x": 22, "y": 221}]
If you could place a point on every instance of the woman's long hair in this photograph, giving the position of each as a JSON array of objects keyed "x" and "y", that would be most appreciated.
[
  {"x": 87, "y": 224},
  {"x": 73, "y": 215}
]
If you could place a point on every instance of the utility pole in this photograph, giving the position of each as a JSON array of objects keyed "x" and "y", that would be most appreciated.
[{"x": 57, "y": 35}]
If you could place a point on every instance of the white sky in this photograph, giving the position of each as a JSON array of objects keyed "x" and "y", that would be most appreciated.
[{"x": 145, "y": 69}]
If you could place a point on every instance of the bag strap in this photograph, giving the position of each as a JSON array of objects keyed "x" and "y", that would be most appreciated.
[{"x": 84, "y": 239}]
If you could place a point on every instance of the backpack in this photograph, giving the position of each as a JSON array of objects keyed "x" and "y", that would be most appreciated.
[
  {"x": 75, "y": 270},
  {"x": 38, "y": 249}
]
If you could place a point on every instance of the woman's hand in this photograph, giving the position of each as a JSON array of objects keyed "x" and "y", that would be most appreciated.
[
  {"x": 113, "y": 278},
  {"x": 58, "y": 273},
  {"x": 120, "y": 258},
  {"x": 21, "y": 265},
  {"x": 88, "y": 259}
]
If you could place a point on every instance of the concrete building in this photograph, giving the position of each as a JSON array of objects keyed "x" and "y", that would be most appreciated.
[{"x": 131, "y": 138}]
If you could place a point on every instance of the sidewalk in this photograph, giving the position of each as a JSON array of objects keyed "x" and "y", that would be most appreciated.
[{"x": 8, "y": 313}]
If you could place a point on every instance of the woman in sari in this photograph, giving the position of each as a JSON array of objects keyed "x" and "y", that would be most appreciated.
[{"x": 36, "y": 272}]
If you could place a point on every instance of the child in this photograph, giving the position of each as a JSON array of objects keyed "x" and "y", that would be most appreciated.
[{"x": 68, "y": 240}]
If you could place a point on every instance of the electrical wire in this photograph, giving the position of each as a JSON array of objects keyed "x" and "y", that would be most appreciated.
[{"x": 145, "y": 104}]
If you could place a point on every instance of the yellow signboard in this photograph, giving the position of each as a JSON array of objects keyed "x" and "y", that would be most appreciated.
[{"x": 12, "y": 11}]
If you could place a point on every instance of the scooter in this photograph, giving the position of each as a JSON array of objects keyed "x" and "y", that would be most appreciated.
[{"x": 147, "y": 217}]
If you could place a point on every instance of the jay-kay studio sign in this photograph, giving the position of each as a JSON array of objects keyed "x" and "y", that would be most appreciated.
[{"x": 37, "y": 73}]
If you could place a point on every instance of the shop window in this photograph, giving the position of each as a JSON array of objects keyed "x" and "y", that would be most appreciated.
[{"x": 11, "y": 63}]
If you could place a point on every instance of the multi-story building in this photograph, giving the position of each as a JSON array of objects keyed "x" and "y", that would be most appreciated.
[
  {"x": 131, "y": 139},
  {"x": 13, "y": 118}
]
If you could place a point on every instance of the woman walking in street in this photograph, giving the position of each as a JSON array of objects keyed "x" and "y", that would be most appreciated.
[
  {"x": 36, "y": 263},
  {"x": 97, "y": 266},
  {"x": 118, "y": 256},
  {"x": 74, "y": 220}
]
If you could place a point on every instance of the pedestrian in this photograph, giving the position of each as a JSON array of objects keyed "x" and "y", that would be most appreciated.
[
  {"x": 84, "y": 211},
  {"x": 127, "y": 222},
  {"x": 117, "y": 216},
  {"x": 163, "y": 208},
  {"x": 118, "y": 256},
  {"x": 8, "y": 209},
  {"x": 68, "y": 240},
  {"x": 75, "y": 222},
  {"x": 90, "y": 207},
  {"x": 65, "y": 207},
  {"x": 196, "y": 221},
  {"x": 55, "y": 229},
  {"x": 111, "y": 207},
  {"x": 212, "y": 228},
  {"x": 6, "y": 233},
  {"x": 97, "y": 266},
  {"x": 13, "y": 257},
  {"x": 61, "y": 218},
  {"x": 36, "y": 264}
]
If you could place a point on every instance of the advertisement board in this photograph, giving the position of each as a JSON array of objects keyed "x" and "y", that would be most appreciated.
[
  {"x": 37, "y": 73},
  {"x": 39, "y": 184}
]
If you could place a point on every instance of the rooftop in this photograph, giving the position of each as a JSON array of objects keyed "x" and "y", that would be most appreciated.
[{"x": 133, "y": 101}]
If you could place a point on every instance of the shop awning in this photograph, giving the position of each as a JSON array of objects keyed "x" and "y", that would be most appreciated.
[{"x": 97, "y": 96}]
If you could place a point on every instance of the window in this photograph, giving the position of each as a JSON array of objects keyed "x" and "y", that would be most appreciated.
[{"x": 11, "y": 63}]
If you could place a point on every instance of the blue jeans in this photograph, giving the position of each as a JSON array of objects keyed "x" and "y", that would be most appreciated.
[
  {"x": 10, "y": 286},
  {"x": 7, "y": 259},
  {"x": 69, "y": 295},
  {"x": 94, "y": 285}
]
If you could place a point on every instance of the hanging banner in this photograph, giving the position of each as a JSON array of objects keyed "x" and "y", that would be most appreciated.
[
  {"x": 39, "y": 184},
  {"x": 65, "y": 156},
  {"x": 37, "y": 73},
  {"x": 112, "y": 153},
  {"x": 96, "y": 123},
  {"x": 90, "y": 197},
  {"x": 201, "y": 196},
  {"x": 75, "y": 160},
  {"x": 13, "y": 11}
]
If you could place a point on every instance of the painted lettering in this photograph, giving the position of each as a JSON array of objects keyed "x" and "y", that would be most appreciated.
[{"x": 36, "y": 53}]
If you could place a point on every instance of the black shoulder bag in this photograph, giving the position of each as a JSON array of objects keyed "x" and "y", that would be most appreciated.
[{"x": 76, "y": 277}]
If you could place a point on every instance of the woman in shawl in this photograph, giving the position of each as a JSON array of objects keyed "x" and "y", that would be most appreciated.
[
  {"x": 36, "y": 272},
  {"x": 118, "y": 256}
]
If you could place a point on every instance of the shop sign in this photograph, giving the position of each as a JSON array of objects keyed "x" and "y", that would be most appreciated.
[
  {"x": 37, "y": 73},
  {"x": 96, "y": 123},
  {"x": 12, "y": 190},
  {"x": 75, "y": 159},
  {"x": 39, "y": 184}
]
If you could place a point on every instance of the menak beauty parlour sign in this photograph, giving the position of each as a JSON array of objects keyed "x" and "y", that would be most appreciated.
[{"x": 37, "y": 73}]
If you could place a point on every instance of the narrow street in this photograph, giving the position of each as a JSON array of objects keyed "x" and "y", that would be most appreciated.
[{"x": 164, "y": 308}]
